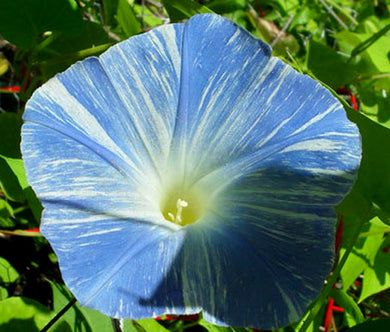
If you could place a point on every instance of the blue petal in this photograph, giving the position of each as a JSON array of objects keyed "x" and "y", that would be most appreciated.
[
  {"x": 262, "y": 252},
  {"x": 247, "y": 281},
  {"x": 204, "y": 104},
  {"x": 239, "y": 102},
  {"x": 125, "y": 101},
  {"x": 100, "y": 224},
  {"x": 94, "y": 145}
]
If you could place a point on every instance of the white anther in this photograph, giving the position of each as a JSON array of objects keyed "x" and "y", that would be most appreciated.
[{"x": 180, "y": 204}]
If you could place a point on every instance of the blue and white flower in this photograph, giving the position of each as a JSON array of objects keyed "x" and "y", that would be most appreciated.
[{"x": 187, "y": 170}]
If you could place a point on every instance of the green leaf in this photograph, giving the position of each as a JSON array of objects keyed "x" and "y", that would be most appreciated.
[
  {"x": 369, "y": 41},
  {"x": 378, "y": 325},
  {"x": 10, "y": 125},
  {"x": 226, "y": 6},
  {"x": 377, "y": 274},
  {"x": 90, "y": 34},
  {"x": 215, "y": 328},
  {"x": 22, "y": 21},
  {"x": 17, "y": 168},
  {"x": 181, "y": 9},
  {"x": 97, "y": 320},
  {"x": 9, "y": 183},
  {"x": 375, "y": 103},
  {"x": 372, "y": 188},
  {"x": 373, "y": 60},
  {"x": 149, "y": 18},
  {"x": 329, "y": 66},
  {"x": 7, "y": 273},
  {"x": 19, "y": 314},
  {"x": 77, "y": 318},
  {"x": 3, "y": 294},
  {"x": 127, "y": 19},
  {"x": 353, "y": 313},
  {"x": 364, "y": 250},
  {"x": 314, "y": 325},
  {"x": 12, "y": 173},
  {"x": 62, "y": 52},
  {"x": 110, "y": 8},
  {"x": 150, "y": 325},
  {"x": 131, "y": 326},
  {"x": 6, "y": 212},
  {"x": 301, "y": 17}
]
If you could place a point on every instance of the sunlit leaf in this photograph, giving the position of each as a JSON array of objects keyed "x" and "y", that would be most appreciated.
[
  {"x": 79, "y": 319},
  {"x": 377, "y": 274},
  {"x": 127, "y": 19},
  {"x": 375, "y": 102},
  {"x": 5, "y": 214},
  {"x": 365, "y": 248},
  {"x": 7, "y": 273},
  {"x": 3, "y": 294},
  {"x": 151, "y": 325},
  {"x": 20, "y": 314},
  {"x": 148, "y": 17},
  {"x": 214, "y": 328},
  {"x": 371, "y": 61}
]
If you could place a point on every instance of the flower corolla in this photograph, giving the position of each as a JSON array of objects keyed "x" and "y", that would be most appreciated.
[{"x": 187, "y": 170}]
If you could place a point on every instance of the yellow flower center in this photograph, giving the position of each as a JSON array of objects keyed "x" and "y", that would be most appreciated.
[{"x": 182, "y": 207}]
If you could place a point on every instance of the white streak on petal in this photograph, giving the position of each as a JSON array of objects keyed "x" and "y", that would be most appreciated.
[
  {"x": 317, "y": 118},
  {"x": 100, "y": 232},
  {"x": 324, "y": 145},
  {"x": 85, "y": 121}
]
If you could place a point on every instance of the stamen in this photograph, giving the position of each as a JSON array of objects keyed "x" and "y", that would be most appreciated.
[{"x": 180, "y": 204}]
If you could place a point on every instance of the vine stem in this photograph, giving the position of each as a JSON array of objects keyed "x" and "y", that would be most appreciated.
[
  {"x": 309, "y": 317},
  {"x": 59, "y": 315}
]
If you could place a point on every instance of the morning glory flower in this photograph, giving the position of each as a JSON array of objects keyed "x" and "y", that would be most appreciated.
[{"x": 186, "y": 170}]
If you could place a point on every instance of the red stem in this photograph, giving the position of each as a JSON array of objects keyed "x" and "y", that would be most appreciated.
[
  {"x": 14, "y": 89},
  {"x": 329, "y": 310}
]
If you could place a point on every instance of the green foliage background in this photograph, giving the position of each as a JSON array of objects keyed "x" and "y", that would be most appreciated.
[{"x": 343, "y": 43}]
